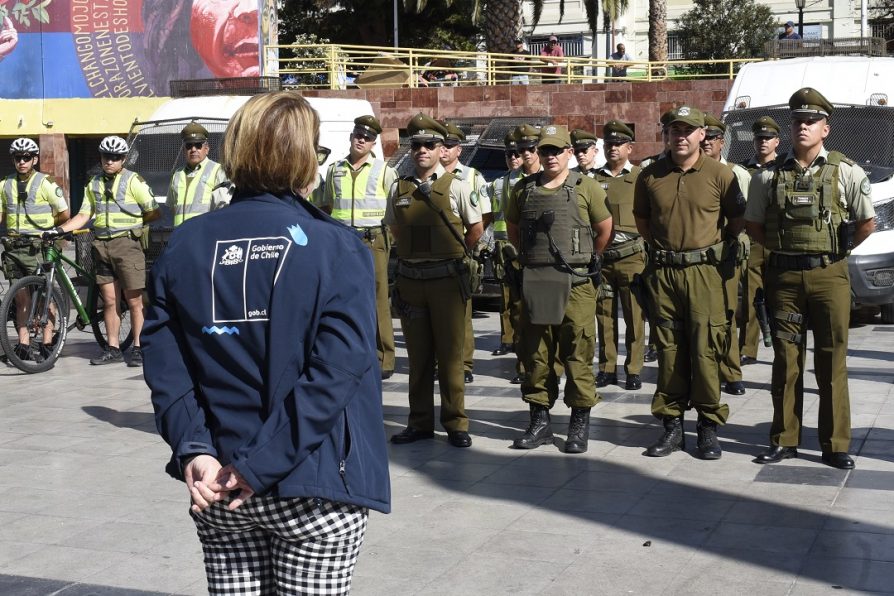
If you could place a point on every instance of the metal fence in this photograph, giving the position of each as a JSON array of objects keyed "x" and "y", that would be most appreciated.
[{"x": 842, "y": 46}]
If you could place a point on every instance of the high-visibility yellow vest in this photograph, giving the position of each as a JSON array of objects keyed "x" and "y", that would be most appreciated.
[
  {"x": 28, "y": 214},
  {"x": 117, "y": 212},
  {"x": 195, "y": 198},
  {"x": 499, "y": 200},
  {"x": 359, "y": 202}
]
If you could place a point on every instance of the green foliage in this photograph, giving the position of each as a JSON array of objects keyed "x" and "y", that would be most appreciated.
[
  {"x": 318, "y": 48},
  {"x": 21, "y": 10},
  {"x": 725, "y": 29}
]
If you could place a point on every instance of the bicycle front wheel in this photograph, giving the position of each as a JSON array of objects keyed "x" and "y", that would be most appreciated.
[
  {"x": 98, "y": 322},
  {"x": 32, "y": 305}
]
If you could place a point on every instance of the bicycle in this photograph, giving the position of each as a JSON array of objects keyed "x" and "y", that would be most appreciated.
[{"x": 42, "y": 303}]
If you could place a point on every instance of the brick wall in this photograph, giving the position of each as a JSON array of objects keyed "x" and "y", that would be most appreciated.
[{"x": 576, "y": 106}]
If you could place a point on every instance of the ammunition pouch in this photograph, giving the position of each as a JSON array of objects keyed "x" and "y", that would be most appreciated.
[
  {"x": 470, "y": 279},
  {"x": 667, "y": 258},
  {"x": 616, "y": 252},
  {"x": 141, "y": 234}
]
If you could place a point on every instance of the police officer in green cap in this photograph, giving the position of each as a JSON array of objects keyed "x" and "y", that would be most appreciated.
[
  {"x": 765, "y": 141},
  {"x": 689, "y": 209},
  {"x": 475, "y": 179},
  {"x": 559, "y": 223},
  {"x": 809, "y": 210},
  {"x": 201, "y": 185},
  {"x": 730, "y": 364},
  {"x": 355, "y": 193},
  {"x": 436, "y": 225},
  {"x": 624, "y": 259},
  {"x": 526, "y": 138},
  {"x": 585, "y": 151}
]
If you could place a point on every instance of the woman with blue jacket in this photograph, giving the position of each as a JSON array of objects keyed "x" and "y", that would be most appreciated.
[{"x": 260, "y": 351}]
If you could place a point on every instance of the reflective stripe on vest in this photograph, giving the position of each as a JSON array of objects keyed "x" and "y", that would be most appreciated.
[
  {"x": 111, "y": 218},
  {"x": 196, "y": 199},
  {"x": 27, "y": 217},
  {"x": 364, "y": 211}
]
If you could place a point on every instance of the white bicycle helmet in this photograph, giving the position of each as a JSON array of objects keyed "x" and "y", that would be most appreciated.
[
  {"x": 113, "y": 145},
  {"x": 24, "y": 145}
]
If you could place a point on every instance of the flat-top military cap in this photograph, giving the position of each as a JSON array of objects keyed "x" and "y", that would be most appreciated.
[
  {"x": 582, "y": 138},
  {"x": 368, "y": 124},
  {"x": 553, "y": 135},
  {"x": 527, "y": 136},
  {"x": 509, "y": 140},
  {"x": 616, "y": 131},
  {"x": 809, "y": 103},
  {"x": 194, "y": 133},
  {"x": 714, "y": 127},
  {"x": 765, "y": 127},
  {"x": 686, "y": 115},
  {"x": 455, "y": 136},
  {"x": 425, "y": 128}
]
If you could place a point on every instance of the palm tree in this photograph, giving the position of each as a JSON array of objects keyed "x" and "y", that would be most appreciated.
[{"x": 657, "y": 30}]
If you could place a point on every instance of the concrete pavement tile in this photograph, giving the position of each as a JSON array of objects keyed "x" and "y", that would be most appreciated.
[
  {"x": 701, "y": 586},
  {"x": 476, "y": 575},
  {"x": 704, "y": 508},
  {"x": 151, "y": 572},
  {"x": 569, "y": 523},
  {"x": 46, "y": 529},
  {"x": 614, "y": 478},
  {"x": 855, "y": 545},
  {"x": 860, "y": 520},
  {"x": 418, "y": 566},
  {"x": 850, "y": 575},
  {"x": 65, "y": 563},
  {"x": 367, "y": 582},
  {"x": 595, "y": 501},
  {"x": 120, "y": 536},
  {"x": 676, "y": 532},
  {"x": 748, "y": 536},
  {"x": 863, "y": 498},
  {"x": 533, "y": 475},
  {"x": 768, "y": 513},
  {"x": 10, "y": 550},
  {"x": 742, "y": 564}
]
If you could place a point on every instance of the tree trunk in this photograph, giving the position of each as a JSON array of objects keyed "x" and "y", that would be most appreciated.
[
  {"x": 657, "y": 30},
  {"x": 502, "y": 24}
]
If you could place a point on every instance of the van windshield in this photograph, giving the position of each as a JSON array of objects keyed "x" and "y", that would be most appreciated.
[{"x": 863, "y": 133}]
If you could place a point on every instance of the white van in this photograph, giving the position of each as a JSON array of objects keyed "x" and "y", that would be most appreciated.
[{"x": 862, "y": 127}]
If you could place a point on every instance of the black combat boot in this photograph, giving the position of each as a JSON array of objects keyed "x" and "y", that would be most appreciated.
[
  {"x": 708, "y": 445},
  {"x": 672, "y": 439},
  {"x": 539, "y": 431},
  {"x": 578, "y": 431}
]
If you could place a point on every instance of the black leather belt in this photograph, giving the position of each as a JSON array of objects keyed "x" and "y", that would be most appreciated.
[{"x": 802, "y": 262}]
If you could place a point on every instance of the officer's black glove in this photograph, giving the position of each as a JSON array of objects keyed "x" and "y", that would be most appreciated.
[{"x": 52, "y": 234}]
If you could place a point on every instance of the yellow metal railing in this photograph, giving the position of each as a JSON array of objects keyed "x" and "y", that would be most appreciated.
[{"x": 340, "y": 66}]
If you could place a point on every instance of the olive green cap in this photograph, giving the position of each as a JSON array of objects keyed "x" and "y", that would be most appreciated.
[
  {"x": 616, "y": 131},
  {"x": 425, "y": 128},
  {"x": 714, "y": 126},
  {"x": 765, "y": 127},
  {"x": 554, "y": 135},
  {"x": 368, "y": 124},
  {"x": 666, "y": 117},
  {"x": 686, "y": 115},
  {"x": 455, "y": 136},
  {"x": 509, "y": 140},
  {"x": 809, "y": 103},
  {"x": 582, "y": 138},
  {"x": 194, "y": 133},
  {"x": 527, "y": 136}
]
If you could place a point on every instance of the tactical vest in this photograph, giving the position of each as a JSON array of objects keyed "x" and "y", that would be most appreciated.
[
  {"x": 619, "y": 190},
  {"x": 752, "y": 167},
  {"x": 572, "y": 235},
  {"x": 196, "y": 199},
  {"x": 359, "y": 202},
  {"x": 499, "y": 200},
  {"x": 423, "y": 234},
  {"x": 806, "y": 212},
  {"x": 116, "y": 211},
  {"x": 26, "y": 214}
]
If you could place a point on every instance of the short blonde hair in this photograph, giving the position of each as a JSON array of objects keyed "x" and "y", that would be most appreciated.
[{"x": 271, "y": 144}]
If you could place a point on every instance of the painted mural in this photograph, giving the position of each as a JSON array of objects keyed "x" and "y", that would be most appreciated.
[{"x": 125, "y": 48}]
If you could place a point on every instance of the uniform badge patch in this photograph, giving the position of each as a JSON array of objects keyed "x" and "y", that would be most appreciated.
[
  {"x": 865, "y": 187},
  {"x": 684, "y": 111},
  {"x": 473, "y": 198},
  {"x": 58, "y": 192}
]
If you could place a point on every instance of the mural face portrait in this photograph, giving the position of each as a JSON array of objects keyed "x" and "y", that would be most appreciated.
[{"x": 225, "y": 35}]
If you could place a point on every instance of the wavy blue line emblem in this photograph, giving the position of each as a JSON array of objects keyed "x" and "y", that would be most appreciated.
[
  {"x": 298, "y": 235},
  {"x": 215, "y": 330}
]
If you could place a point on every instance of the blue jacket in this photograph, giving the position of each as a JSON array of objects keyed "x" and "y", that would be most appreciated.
[{"x": 259, "y": 348}]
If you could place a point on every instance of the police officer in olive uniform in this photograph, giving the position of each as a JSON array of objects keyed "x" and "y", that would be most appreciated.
[
  {"x": 730, "y": 364},
  {"x": 809, "y": 209},
  {"x": 766, "y": 140},
  {"x": 474, "y": 178},
  {"x": 559, "y": 223},
  {"x": 201, "y": 185},
  {"x": 436, "y": 225},
  {"x": 356, "y": 193},
  {"x": 681, "y": 204},
  {"x": 624, "y": 259},
  {"x": 30, "y": 204},
  {"x": 585, "y": 151},
  {"x": 119, "y": 202}
]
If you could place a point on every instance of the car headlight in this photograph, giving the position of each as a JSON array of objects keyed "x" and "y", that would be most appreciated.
[{"x": 884, "y": 215}]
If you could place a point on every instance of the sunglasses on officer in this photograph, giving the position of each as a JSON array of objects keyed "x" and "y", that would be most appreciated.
[
  {"x": 323, "y": 154},
  {"x": 360, "y": 136},
  {"x": 22, "y": 157},
  {"x": 513, "y": 153},
  {"x": 111, "y": 156},
  {"x": 550, "y": 150},
  {"x": 196, "y": 145},
  {"x": 430, "y": 145}
]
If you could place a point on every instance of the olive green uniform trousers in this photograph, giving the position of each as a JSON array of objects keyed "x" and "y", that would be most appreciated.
[
  {"x": 432, "y": 318},
  {"x": 619, "y": 275},
  {"x": 543, "y": 348},
  {"x": 379, "y": 246},
  {"x": 822, "y": 297},
  {"x": 691, "y": 335},
  {"x": 730, "y": 366},
  {"x": 469, "y": 343},
  {"x": 752, "y": 279}
]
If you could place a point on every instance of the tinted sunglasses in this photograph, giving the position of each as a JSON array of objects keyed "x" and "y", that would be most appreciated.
[
  {"x": 111, "y": 157},
  {"x": 512, "y": 153},
  {"x": 615, "y": 143},
  {"x": 189, "y": 146},
  {"x": 363, "y": 137},
  {"x": 713, "y": 138},
  {"x": 550, "y": 151},
  {"x": 323, "y": 154},
  {"x": 23, "y": 157},
  {"x": 430, "y": 145},
  {"x": 528, "y": 150}
]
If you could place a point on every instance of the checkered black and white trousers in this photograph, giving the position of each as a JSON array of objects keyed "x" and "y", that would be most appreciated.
[{"x": 281, "y": 546}]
